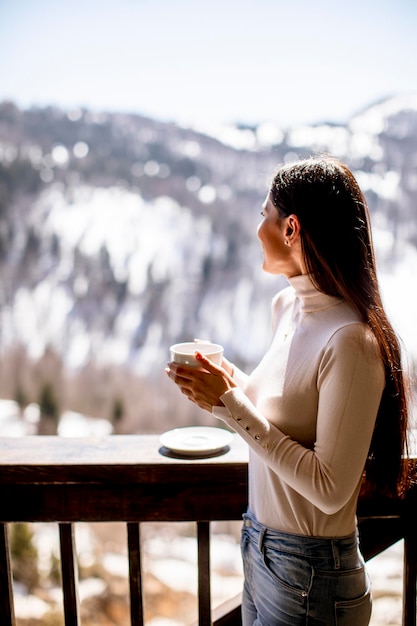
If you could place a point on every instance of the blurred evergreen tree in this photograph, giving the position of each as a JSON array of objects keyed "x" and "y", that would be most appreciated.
[
  {"x": 49, "y": 411},
  {"x": 24, "y": 555},
  {"x": 117, "y": 413},
  {"x": 21, "y": 397},
  {"x": 55, "y": 571}
]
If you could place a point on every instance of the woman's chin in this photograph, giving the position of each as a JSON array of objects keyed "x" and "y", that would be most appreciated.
[{"x": 266, "y": 268}]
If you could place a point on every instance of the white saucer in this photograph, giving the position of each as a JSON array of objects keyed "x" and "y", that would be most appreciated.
[{"x": 196, "y": 440}]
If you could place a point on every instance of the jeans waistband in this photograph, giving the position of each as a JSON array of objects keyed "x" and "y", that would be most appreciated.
[{"x": 314, "y": 547}]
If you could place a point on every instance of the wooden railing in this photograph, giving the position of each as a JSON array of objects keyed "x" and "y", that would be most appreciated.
[{"x": 131, "y": 479}]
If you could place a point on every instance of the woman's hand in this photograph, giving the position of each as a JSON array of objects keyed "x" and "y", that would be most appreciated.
[{"x": 202, "y": 385}]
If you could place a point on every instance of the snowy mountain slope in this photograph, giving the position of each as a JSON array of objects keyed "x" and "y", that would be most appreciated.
[{"x": 120, "y": 235}]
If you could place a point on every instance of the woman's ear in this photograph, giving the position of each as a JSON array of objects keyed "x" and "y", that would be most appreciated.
[{"x": 293, "y": 227}]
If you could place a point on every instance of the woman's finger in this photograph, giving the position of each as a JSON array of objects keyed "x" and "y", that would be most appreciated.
[
  {"x": 177, "y": 378},
  {"x": 207, "y": 363}
]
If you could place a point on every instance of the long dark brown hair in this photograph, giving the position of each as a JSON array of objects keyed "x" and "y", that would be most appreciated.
[{"x": 339, "y": 255}]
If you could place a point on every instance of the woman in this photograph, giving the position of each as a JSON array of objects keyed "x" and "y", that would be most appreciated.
[{"x": 324, "y": 413}]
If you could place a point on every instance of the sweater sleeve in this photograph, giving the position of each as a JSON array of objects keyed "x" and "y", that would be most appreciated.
[{"x": 350, "y": 384}]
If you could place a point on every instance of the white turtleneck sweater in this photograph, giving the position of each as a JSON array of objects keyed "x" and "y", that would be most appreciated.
[{"x": 307, "y": 412}]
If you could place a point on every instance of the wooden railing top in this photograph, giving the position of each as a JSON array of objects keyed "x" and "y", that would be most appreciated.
[
  {"x": 125, "y": 477},
  {"x": 118, "y": 477},
  {"x": 128, "y": 457},
  {"x": 124, "y": 458}
]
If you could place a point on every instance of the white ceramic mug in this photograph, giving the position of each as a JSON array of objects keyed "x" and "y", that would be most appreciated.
[{"x": 183, "y": 353}]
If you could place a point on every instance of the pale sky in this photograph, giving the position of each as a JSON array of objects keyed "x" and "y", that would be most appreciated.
[{"x": 249, "y": 61}]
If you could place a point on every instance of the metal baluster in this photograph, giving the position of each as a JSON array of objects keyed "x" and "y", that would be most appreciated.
[
  {"x": 135, "y": 574},
  {"x": 69, "y": 569},
  {"x": 6, "y": 585},
  {"x": 204, "y": 590}
]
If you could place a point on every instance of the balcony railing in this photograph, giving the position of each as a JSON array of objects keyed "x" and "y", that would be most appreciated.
[{"x": 130, "y": 479}]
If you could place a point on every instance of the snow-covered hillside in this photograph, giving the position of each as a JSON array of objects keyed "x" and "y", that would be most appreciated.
[{"x": 162, "y": 243}]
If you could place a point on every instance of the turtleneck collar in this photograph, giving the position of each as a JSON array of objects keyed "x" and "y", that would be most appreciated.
[{"x": 311, "y": 299}]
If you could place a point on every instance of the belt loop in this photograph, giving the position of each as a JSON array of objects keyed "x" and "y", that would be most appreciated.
[
  {"x": 336, "y": 553},
  {"x": 261, "y": 538}
]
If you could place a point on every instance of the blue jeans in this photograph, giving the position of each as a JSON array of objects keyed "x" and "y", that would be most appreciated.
[{"x": 300, "y": 580}]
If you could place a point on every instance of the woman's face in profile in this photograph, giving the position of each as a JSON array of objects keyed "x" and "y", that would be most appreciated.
[
  {"x": 271, "y": 235},
  {"x": 273, "y": 232}
]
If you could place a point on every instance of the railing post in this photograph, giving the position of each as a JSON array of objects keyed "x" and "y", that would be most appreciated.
[
  {"x": 6, "y": 581},
  {"x": 69, "y": 569},
  {"x": 410, "y": 561},
  {"x": 135, "y": 574},
  {"x": 204, "y": 590}
]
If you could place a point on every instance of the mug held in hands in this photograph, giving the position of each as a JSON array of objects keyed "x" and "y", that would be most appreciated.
[{"x": 183, "y": 353}]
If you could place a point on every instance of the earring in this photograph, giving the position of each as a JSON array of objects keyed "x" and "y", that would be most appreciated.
[{"x": 287, "y": 243}]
